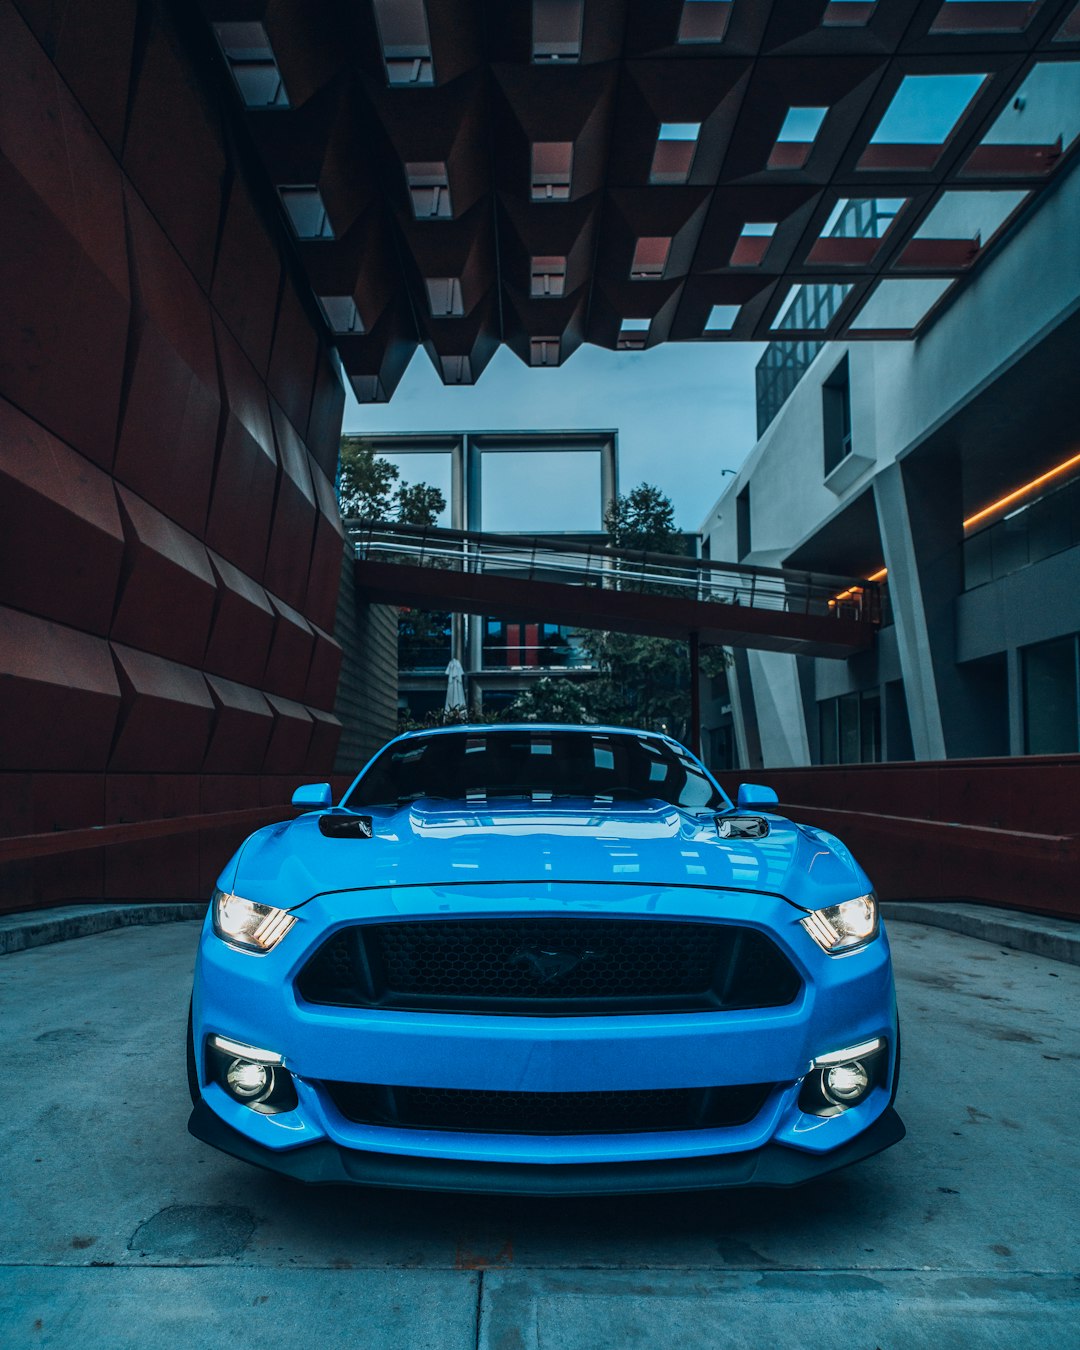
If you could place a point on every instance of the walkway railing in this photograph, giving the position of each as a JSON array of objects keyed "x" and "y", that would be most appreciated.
[{"x": 599, "y": 565}]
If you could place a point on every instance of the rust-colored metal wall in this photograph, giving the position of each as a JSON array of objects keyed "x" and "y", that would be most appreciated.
[
  {"x": 1004, "y": 831},
  {"x": 170, "y": 547}
]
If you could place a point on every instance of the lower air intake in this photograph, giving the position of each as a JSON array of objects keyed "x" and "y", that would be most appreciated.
[{"x": 548, "y": 1113}]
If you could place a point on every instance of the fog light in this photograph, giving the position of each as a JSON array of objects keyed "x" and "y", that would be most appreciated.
[
  {"x": 249, "y": 1082},
  {"x": 843, "y": 1078},
  {"x": 846, "y": 1084}
]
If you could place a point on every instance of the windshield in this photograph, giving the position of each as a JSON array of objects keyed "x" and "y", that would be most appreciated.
[{"x": 523, "y": 763}]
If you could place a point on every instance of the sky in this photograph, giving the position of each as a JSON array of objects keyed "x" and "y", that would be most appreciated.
[{"x": 683, "y": 411}]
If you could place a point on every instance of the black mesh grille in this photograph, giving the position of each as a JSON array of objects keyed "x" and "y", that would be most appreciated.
[
  {"x": 550, "y": 966},
  {"x": 548, "y": 1112}
]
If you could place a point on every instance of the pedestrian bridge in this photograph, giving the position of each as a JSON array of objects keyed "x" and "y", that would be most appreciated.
[{"x": 593, "y": 585}]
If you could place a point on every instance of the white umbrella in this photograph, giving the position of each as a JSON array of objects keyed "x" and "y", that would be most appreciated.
[{"x": 455, "y": 685}]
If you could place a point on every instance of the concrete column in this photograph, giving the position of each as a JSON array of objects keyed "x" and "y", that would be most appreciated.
[
  {"x": 919, "y": 515},
  {"x": 743, "y": 711},
  {"x": 1015, "y": 677},
  {"x": 778, "y": 703}
]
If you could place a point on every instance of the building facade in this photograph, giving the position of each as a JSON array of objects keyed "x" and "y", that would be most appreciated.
[{"x": 948, "y": 469}]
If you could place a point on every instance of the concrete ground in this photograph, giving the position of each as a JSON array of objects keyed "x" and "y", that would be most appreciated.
[{"x": 117, "y": 1229}]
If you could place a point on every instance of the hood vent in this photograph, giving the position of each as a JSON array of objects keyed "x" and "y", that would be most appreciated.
[
  {"x": 346, "y": 827},
  {"x": 742, "y": 827}
]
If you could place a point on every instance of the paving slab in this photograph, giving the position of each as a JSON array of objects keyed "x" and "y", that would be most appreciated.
[
  {"x": 799, "y": 1310},
  {"x": 105, "y": 1192},
  {"x": 199, "y": 1309}
]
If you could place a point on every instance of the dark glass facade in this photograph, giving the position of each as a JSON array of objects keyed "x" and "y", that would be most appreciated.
[
  {"x": 1052, "y": 696},
  {"x": 1032, "y": 532},
  {"x": 850, "y": 728}
]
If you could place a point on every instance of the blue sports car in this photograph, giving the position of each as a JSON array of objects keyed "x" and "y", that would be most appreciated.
[{"x": 543, "y": 960}]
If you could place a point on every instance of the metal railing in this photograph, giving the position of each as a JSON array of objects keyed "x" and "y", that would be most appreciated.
[{"x": 575, "y": 563}]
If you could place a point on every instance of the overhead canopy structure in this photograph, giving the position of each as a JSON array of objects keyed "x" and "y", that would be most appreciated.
[{"x": 470, "y": 172}]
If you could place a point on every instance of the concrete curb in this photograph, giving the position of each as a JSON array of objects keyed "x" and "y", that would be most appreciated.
[
  {"x": 1054, "y": 939},
  {"x": 18, "y": 932}
]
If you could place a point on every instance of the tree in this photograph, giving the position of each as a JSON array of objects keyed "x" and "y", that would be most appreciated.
[
  {"x": 645, "y": 681},
  {"x": 419, "y": 504},
  {"x": 643, "y": 519},
  {"x": 368, "y": 486},
  {"x": 365, "y": 480},
  {"x": 548, "y": 700}
]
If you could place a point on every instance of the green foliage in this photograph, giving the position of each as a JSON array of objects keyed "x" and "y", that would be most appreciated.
[
  {"x": 423, "y": 638},
  {"x": 645, "y": 681},
  {"x": 553, "y": 700},
  {"x": 455, "y": 717},
  {"x": 643, "y": 518},
  {"x": 368, "y": 486},
  {"x": 365, "y": 481},
  {"x": 419, "y": 504}
]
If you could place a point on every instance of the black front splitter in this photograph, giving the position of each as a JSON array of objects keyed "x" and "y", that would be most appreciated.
[{"x": 327, "y": 1164}]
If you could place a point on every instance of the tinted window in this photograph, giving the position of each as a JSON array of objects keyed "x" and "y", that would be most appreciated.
[{"x": 521, "y": 763}]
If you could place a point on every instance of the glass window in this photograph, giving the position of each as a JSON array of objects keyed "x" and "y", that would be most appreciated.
[
  {"x": 557, "y": 30},
  {"x": 827, "y": 723},
  {"x": 307, "y": 214},
  {"x": 850, "y": 728},
  {"x": 1051, "y": 698},
  {"x": 848, "y": 706},
  {"x": 455, "y": 766},
  {"x": 552, "y": 165},
  {"x": 253, "y": 64},
  {"x": 836, "y": 416},
  {"x": 704, "y": 20},
  {"x": 444, "y": 297},
  {"x": 548, "y": 277},
  {"x": 870, "y": 728},
  {"x": 722, "y": 318},
  {"x": 403, "y": 32},
  {"x": 926, "y": 109},
  {"x": 429, "y": 190},
  {"x": 743, "y": 530},
  {"x": 650, "y": 257}
]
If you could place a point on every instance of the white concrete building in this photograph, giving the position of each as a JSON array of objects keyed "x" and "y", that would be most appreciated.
[{"x": 951, "y": 463}]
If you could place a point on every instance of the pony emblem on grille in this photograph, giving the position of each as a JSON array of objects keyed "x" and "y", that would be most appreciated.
[{"x": 548, "y": 965}]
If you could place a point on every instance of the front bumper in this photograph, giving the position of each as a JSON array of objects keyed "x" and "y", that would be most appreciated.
[
  {"x": 328, "y": 1164},
  {"x": 845, "y": 1001}
]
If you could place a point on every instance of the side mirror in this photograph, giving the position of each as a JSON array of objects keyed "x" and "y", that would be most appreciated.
[
  {"x": 753, "y": 794},
  {"x": 313, "y": 797}
]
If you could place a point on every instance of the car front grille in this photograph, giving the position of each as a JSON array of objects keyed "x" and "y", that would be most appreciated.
[
  {"x": 550, "y": 966},
  {"x": 548, "y": 1113}
]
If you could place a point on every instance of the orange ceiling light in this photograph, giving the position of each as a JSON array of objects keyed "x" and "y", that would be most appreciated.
[
  {"x": 1025, "y": 490},
  {"x": 879, "y": 575}
]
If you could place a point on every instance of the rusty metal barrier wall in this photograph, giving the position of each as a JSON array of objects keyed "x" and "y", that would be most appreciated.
[
  {"x": 1005, "y": 832},
  {"x": 1002, "y": 831}
]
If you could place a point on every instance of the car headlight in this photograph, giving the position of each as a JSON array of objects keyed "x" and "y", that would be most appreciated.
[
  {"x": 842, "y": 928},
  {"x": 243, "y": 923}
]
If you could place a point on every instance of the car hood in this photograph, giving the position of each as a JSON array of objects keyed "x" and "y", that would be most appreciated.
[{"x": 438, "y": 843}]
